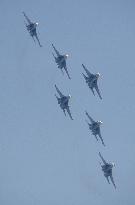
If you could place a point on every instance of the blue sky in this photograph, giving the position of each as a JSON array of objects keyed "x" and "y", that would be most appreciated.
[{"x": 45, "y": 157}]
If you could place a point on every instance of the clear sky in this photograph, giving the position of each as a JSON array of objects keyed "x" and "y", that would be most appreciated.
[{"x": 45, "y": 158}]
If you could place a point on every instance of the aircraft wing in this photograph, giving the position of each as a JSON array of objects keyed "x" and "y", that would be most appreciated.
[
  {"x": 92, "y": 121},
  {"x": 102, "y": 158},
  {"x": 87, "y": 71},
  {"x": 36, "y": 36},
  {"x": 107, "y": 180},
  {"x": 57, "y": 52},
  {"x": 92, "y": 91},
  {"x": 111, "y": 177},
  {"x": 64, "y": 112},
  {"x": 68, "y": 110},
  {"x": 101, "y": 138},
  {"x": 33, "y": 38},
  {"x": 54, "y": 56},
  {"x": 61, "y": 95},
  {"x": 29, "y": 21},
  {"x": 87, "y": 122},
  {"x": 98, "y": 92},
  {"x": 85, "y": 77},
  {"x": 65, "y": 67}
]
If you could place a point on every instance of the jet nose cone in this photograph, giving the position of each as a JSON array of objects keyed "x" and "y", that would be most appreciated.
[
  {"x": 66, "y": 56},
  {"x": 98, "y": 75},
  {"x": 100, "y": 122}
]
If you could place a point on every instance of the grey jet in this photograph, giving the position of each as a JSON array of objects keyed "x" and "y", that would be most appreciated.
[
  {"x": 107, "y": 169},
  {"x": 63, "y": 102},
  {"x": 91, "y": 80},
  {"x": 31, "y": 28},
  {"x": 61, "y": 61},
  {"x": 94, "y": 126}
]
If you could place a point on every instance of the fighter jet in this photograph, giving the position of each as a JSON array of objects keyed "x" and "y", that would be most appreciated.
[
  {"x": 61, "y": 61},
  {"x": 31, "y": 28},
  {"x": 63, "y": 102},
  {"x": 107, "y": 169},
  {"x": 95, "y": 128},
  {"x": 91, "y": 80}
]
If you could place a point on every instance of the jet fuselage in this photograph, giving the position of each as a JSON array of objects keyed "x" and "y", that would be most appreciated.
[
  {"x": 91, "y": 81},
  {"x": 95, "y": 128},
  {"x": 32, "y": 29},
  {"x": 107, "y": 169},
  {"x": 63, "y": 102},
  {"x": 60, "y": 60}
]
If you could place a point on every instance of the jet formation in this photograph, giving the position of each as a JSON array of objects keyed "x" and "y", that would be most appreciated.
[
  {"x": 61, "y": 61},
  {"x": 63, "y": 102},
  {"x": 94, "y": 126},
  {"x": 107, "y": 170},
  {"x": 91, "y": 80},
  {"x": 32, "y": 28}
]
